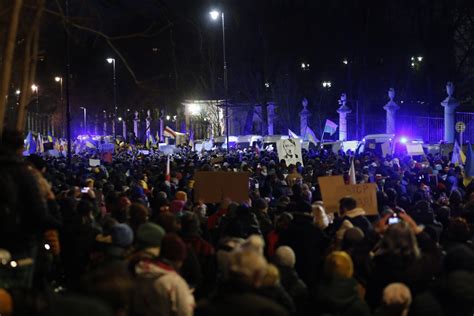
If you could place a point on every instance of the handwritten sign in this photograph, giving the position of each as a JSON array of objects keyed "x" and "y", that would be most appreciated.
[
  {"x": 333, "y": 189},
  {"x": 365, "y": 195}
]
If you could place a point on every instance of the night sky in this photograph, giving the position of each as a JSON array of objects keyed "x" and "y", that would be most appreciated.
[{"x": 180, "y": 56}]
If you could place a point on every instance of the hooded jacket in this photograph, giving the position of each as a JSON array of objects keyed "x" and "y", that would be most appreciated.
[{"x": 161, "y": 291}]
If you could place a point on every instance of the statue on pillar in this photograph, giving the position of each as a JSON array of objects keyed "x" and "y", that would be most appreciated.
[
  {"x": 148, "y": 123},
  {"x": 450, "y": 104},
  {"x": 343, "y": 110},
  {"x": 304, "y": 115},
  {"x": 135, "y": 124},
  {"x": 391, "y": 107}
]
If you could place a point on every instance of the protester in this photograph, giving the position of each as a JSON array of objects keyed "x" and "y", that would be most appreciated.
[{"x": 129, "y": 237}]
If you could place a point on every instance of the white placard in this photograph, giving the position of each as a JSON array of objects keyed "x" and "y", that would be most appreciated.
[
  {"x": 94, "y": 162},
  {"x": 290, "y": 151}
]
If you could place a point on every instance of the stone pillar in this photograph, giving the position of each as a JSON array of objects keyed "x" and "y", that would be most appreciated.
[
  {"x": 304, "y": 114},
  {"x": 113, "y": 124},
  {"x": 124, "y": 128},
  {"x": 391, "y": 107},
  {"x": 343, "y": 110},
  {"x": 270, "y": 117},
  {"x": 162, "y": 128},
  {"x": 450, "y": 104},
  {"x": 105, "y": 123},
  {"x": 148, "y": 123},
  {"x": 135, "y": 124}
]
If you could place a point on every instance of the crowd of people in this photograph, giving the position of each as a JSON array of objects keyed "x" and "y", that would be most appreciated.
[{"x": 128, "y": 238}]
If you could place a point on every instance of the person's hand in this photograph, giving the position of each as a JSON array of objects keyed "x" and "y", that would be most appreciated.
[
  {"x": 411, "y": 222},
  {"x": 52, "y": 239},
  {"x": 382, "y": 225}
]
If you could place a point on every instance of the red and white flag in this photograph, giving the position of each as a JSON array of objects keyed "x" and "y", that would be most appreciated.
[
  {"x": 168, "y": 172},
  {"x": 169, "y": 132}
]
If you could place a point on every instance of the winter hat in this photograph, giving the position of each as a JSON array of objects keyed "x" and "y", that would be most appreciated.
[
  {"x": 285, "y": 256},
  {"x": 460, "y": 257},
  {"x": 173, "y": 248},
  {"x": 397, "y": 296},
  {"x": 339, "y": 264},
  {"x": 177, "y": 206},
  {"x": 181, "y": 196},
  {"x": 352, "y": 237},
  {"x": 149, "y": 235},
  {"x": 122, "y": 235}
]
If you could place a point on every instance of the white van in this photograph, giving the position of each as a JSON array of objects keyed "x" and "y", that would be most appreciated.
[
  {"x": 379, "y": 144},
  {"x": 220, "y": 142},
  {"x": 247, "y": 141}
]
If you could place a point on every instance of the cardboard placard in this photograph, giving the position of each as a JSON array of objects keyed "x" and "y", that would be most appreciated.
[
  {"x": 213, "y": 187},
  {"x": 94, "y": 162},
  {"x": 290, "y": 151},
  {"x": 385, "y": 149},
  {"x": 415, "y": 150},
  {"x": 329, "y": 192},
  {"x": 333, "y": 189},
  {"x": 365, "y": 195}
]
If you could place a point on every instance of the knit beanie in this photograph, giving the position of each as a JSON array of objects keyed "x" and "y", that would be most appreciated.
[
  {"x": 339, "y": 264},
  {"x": 149, "y": 235},
  {"x": 285, "y": 256},
  {"x": 173, "y": 248},
  {"x": 181, "y": 196},
  {"x": 122, "y": 235}
]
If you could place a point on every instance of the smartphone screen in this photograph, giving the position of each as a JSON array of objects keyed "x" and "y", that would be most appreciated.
[{"x": 393, "y": 220}]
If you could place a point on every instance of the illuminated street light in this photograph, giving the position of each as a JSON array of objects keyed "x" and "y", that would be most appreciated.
[
  {"x": 267, "y": 84},
  {"x": 34, "y": 88},
  {"x": 58, "y": 79},
  {"x": 214, "y": 14},
  {"x": 327, "y": 84},
  {"x": 420, "y": 58},
  {"x": 120, "y": 119},
  {"x": 168, "y": 117},
  {"x": 17, "y": 92},
  {"x": 345, "y": 61}
]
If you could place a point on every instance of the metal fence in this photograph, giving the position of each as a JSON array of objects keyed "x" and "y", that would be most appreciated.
[{"x": 430, "y": 129}]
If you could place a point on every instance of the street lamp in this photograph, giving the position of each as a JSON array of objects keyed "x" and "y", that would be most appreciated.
[
  {"x": 85, "y": 119},
  {"x": 60, "y": 81},
  {"x": 215, "y": 15},
  {"x": 17, "y": 92},
  {"x": 327, "y": 84},
  {"x": 345, "y": 61},
  {"x": 112, "y": 61},
  {"x": 35, "y": 89}
]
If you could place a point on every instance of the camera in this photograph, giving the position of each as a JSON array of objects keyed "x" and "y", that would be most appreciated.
[{"x": 393, "y": 219}]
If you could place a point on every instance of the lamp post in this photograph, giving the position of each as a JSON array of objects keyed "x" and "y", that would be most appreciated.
[
  {"x": 61, "y": 99},
  {"x": 112, "y": 61},
  {"x": 215, "y": 15},
  {"x": 84, "y": 110}
]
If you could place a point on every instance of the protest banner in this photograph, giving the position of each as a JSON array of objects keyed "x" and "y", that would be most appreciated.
[
  {"x": 365, "y": 194},
  {"x": 290, "y": 151},
  {"x": 213, "y": 187},
  {"x": 333, "y": 189}
]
